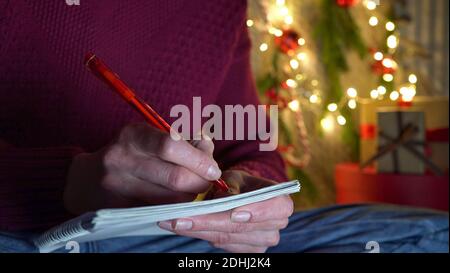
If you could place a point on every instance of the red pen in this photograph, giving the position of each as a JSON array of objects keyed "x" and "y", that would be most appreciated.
[{"x": 103, "y": 72}]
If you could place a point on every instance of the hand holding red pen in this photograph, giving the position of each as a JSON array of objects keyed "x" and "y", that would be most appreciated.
[
  {"x": 104, "y": 73},
  {"x": 142, "y": 166}
]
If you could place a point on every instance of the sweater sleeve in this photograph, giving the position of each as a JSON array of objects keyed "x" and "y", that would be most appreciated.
[
  {"x": 238, "y": 88},
  {"x": 31, "y": 186}
]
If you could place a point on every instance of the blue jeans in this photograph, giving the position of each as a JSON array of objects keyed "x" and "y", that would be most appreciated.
[{"x": 352, "y": 228}]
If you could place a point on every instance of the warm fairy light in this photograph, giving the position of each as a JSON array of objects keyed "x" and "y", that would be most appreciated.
[
  {"x": 374, "y": 94},
  {"x": 332, "y": 107},
  {"x": 352, "y": 104},
  {"x": 284, "y": 11},
  {"x": 341, "y": 120},
  {"x": 392, "y": 41},
  {"x": 291, "y": 83},
  {"x": 412, "y": 78},
  {"x": 388, "y": 77},
  {"x": 301, "y": 41},
  {"x": 288, "y": 20},
  {"x": 352, "y": 93},
  {"x": 294, "y": 63},
  {"x": 394, "y": 95},
  {"x": 278, "y": 32},
  {"x": 281, "y": 2},
  {"x": 315, "y": 83},
  {"x": 314, "y": 98},
  {"x": 404, "y": 90},
  {"x": 390, "y": 26},
  {"x": 275, "y": 31},
  {"x": 250, "y": 22},
  {"x": 371, "y": 5},
  {"x": 407, "y": 93},
  {"x": 299, "y": 77},
  {"x": 381, "y": 90},
  {"x": 388, "y": 63},
  {"x": 373, "y": 21},
  {"x": 294, "y": 105},
  {"x": 327, "y": 123},
  {"x": 280, "y": 12},
  {"x": 301, "y": 56},
  {"x": 263, "y": 47},
  {"x": 378, "y": 56},
  {"x": 407, "y": 98}
]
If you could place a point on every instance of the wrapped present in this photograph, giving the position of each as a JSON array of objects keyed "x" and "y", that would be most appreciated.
[
  {"x": 435, "y": 110},
  {"x": 401, "y": 141},
  {"x": 355, "y": 185}
]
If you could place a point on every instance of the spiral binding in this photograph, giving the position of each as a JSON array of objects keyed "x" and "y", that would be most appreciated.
[{"x": 60, "y": 234}]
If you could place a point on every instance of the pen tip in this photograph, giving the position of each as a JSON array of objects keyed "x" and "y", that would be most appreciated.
[{"x": 89, "y": 56}]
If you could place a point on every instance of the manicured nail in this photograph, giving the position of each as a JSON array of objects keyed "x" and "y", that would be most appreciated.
[
  {"x": 214, "y": 172},
  {"x": 165, "y": 225},
  {"x": 182, "y": 224},
  {"x": 240, "y": 216}
]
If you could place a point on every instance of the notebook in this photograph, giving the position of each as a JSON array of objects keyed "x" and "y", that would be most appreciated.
[{"x": 139, "y": 221}]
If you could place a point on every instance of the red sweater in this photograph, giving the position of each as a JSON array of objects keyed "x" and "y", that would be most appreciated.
[{"x": 52, "y": 108}]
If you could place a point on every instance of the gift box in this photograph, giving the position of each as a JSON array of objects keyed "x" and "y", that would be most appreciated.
[
  {"x": 435, "y": 111},
  {"x": 401, "y": 141},
  {"x": 355, "y": 185}
]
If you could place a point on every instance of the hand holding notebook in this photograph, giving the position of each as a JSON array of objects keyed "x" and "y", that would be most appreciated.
[
  {"x": 145, "y": 164},
  {"x": 109, "y": 223}
]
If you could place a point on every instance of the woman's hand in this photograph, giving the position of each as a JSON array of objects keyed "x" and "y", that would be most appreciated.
[
  {"x": 142, "y": 166},
  {"x": 250, "y": 228}
]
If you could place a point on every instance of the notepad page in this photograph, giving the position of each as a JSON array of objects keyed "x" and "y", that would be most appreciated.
[
  {"x": 198, "y": 209},
  {"x": 154, "y": 210},
  {"x": 146, "y": 209},
  {"x": 109, "y": 223}
]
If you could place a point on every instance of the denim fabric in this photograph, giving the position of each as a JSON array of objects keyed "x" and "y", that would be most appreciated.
[{"x": 350, "y": 228}]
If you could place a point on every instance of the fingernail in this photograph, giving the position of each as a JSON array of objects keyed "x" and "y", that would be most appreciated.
[
  {"x": 165, "y": 225},
  {"x": 240, "y": 216},
  {"x": 214, "y": 172},
  {"x": 182, "y": 224}
]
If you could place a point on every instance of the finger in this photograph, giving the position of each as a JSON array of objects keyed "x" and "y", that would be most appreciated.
[
  {"x": 221, "y": 222},
  {"x": 169, "y": 175},
  {"x": 255, "y": 238},
  {"x": 205, "y": 145},
  {"x": 154, "y": 142},
  {"x": 238, "y": 248},
  {"x": 184, "y": 154},
  {"x": 280, "y": 207},
  {"x": 136, "y": 189}
]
